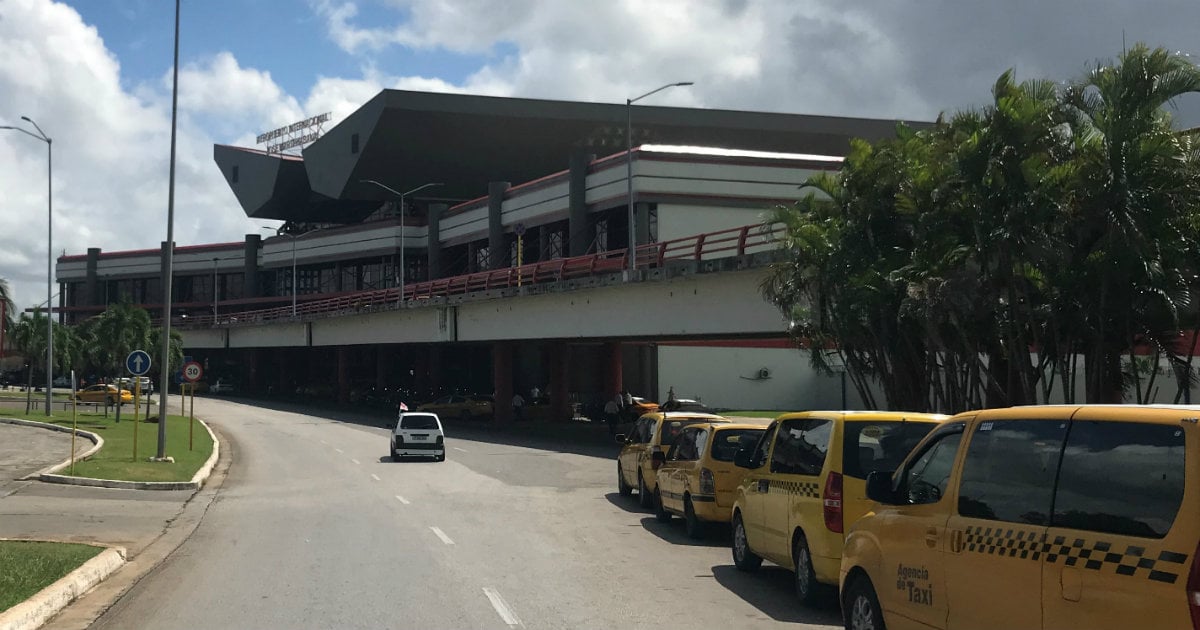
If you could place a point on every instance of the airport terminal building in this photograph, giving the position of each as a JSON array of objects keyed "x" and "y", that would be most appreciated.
[{"x": 427, "y": 190}]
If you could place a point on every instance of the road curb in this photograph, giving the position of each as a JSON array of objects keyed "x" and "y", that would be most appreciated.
[
  {"x": 48, "y": 474},
  {"x": 37, "y": 610},
  {"x": 97, "y": 443}
]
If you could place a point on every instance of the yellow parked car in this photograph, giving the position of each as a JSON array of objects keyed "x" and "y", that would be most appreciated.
[
  {"x": 806, "y": 481},
  {"x": 651, "y": 433},
  {"x": 461, "y": 407},
  {"x": 697, "y": 478},
  {"x": 1052, "y": 517},
  {"x": 104, "y": 394}
]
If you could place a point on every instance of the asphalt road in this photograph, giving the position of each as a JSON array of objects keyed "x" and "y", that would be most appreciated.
[{"x": 315, "y": 527}]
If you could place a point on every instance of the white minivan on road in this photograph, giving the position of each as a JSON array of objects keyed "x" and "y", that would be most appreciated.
[{"x": 418, "y": 433}]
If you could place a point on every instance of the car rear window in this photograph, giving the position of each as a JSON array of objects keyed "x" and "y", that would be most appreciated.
[
  {"x": 672, "y": 428},
  {"x": 871, "y": 446},
  {"x": 418, "y": 422},
  {"x": 727, "y": 442}
]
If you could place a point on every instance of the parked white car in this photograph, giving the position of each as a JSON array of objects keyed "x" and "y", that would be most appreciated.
[
  {"x": 418, "y": 433},
  {"x": 222, "y": 386}
]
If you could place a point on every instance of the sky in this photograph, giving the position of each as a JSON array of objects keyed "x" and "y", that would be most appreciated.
[{"x": 96, "y": 76}]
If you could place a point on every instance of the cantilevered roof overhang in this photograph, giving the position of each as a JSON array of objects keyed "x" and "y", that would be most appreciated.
[{"x": 405, "y": 139}]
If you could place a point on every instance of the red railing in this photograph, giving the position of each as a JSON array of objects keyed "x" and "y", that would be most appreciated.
[{"x": 712, "y": 245}]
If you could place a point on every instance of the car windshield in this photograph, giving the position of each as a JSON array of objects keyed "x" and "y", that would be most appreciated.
[
  {"x": 418, "y": 421},
  {"x": 727, "y": 442},
  {"x": 871, "y": 446}
]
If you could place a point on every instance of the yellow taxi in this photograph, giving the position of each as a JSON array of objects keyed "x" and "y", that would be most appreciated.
[
  {"x": 103, "y": 394},
  {"x": 1079, "y": 516},
  {"x": 461, "y": 407},
  {"x": 635, "y": 465},
  {"x": 697, "y": 477},
  {"x": 806, "y": 481}
]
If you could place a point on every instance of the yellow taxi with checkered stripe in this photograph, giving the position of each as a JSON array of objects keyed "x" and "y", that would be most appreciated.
[
  {"x": 697, "y": 477},
  {"x": 1079, "y": 516},
  {"x": 805, "y": 481}
]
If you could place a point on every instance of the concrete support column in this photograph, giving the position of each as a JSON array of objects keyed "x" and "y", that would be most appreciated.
[
  {"x": 250, "y": 284},
  {"x": 383, "y": 366},
  {"x": 343, "y": 374},
  {"x": 420, "y": 367},
  {"x": 502, "y": 378},
  {"x": 254, "y": 370},
  {"x": 92, "y": 295},
  {"x": 337, "y": 277},
  {"x": 283, "y": 382},
  {"x": 559, "y": 368},
  {"x": 612, "y": 358},
  {"x": 434, "y": 247},
  {"x": 641, "y": 213},
  {"x": 579, "y": 232},
  {"x": 497, "y": 243},
  {"x": 435, "y": 368}
]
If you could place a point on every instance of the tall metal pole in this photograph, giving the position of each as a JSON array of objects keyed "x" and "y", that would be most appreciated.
[
  {"x": 293, "y": 274},
  {"x": 402, "y": 195},
  {"x": 165, "y": 366},
  {"x": 632, "y": 263},
  {"x": 216, "y": 293},
  {"x": 49, "y": 269}
]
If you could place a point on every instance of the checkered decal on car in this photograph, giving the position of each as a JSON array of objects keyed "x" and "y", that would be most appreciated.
[
  {"x": 1097, "y": 555},
  {"x": 803, "y": 488}
]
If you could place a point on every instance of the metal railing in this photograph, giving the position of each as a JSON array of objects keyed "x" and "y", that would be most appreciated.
[{"x": 712, "y": 245}]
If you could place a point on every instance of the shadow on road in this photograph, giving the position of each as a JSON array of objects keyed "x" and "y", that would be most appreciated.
[
  {"x": 629, "y": 503},
  {"x": 673, "y": 533},
  {"x": 771, "y": 590},
  {"x": 578, "y": 439}
]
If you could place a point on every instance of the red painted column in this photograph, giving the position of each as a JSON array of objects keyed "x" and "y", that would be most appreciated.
[
  {"x": 559, "y": 368},
  {"x": 612, "y": 369},
  {"x": 343, "y": 374},
  {"x": 502, "y": 368}
]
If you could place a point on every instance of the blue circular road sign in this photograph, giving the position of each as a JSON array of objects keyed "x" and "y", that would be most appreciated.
[{"x": 138, "y": 362}]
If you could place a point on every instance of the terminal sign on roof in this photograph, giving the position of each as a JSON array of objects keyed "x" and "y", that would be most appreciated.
[{"x": 294, "y": 133}]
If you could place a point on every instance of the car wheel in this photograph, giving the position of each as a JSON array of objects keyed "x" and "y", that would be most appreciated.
[
  {"x": 862, "y": 610},
  {"x": 694, "y": 526},
  {"x": 660, "y": 512},
  {"x": 623, "y": 488},
  {"x": 395, "y": 456},
  {"x": 808, "y": 590},
  {"x": 743, "y": 558},
  {"x": 644, "y": 498}
]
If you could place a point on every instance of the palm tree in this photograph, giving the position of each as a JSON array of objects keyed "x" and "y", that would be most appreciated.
[
  {"x": 119, "y": 330},
  {"x": 7, "y": 307}
]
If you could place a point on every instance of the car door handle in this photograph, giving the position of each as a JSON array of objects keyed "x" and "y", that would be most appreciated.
[{"x": 931, "y": 537}]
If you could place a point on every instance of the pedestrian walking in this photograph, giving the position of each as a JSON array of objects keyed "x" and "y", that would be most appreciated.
[
  {"x": 535, "y": 395},
  {"x": 611, "y": 411},
  {"x": 518, "y": 405}
]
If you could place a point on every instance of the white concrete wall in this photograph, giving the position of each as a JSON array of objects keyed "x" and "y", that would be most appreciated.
[
  {"x": 409, "y": 326},
  {"x": 289, "y": 335},
  {"x": 680, "y": 221},
  {"x": 321, "y": 246},
  {"x": 203, "y": 338},
  {"x": 726, "y": 303},
  {"x": 725, "y": 378},
  {"x": 464, "y": 226}
]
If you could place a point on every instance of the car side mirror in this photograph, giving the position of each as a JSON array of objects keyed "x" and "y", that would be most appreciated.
[
  {"x": 657, "y": 459},
  {"x": 879, "y": 487},
  {"x": 621, "y": 439},
  {"x": 744, "y": 458}
]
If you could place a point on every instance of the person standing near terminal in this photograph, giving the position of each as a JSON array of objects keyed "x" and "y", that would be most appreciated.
[
  {"x": 611, "y": 412},
  {"x": 518, "y": 404}
]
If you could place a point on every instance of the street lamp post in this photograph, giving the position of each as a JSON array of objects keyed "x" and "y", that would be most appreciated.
[
  {"x": 216, "y": 292},
  {"x": 629, "y": 165},
  {"x": 41, "y": 135},
  {"x": 402, "y": 195},
  {"x": 164, "y": 368}
]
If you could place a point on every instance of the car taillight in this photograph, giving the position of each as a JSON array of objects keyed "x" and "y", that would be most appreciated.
[
  {"x": 832, "y": 498},
  {"x": 439, "y": 440},
  {"x": 708, "y": 484},
  {"x": 1193, "y": 589},
  {"x": 399, "y": 439}
]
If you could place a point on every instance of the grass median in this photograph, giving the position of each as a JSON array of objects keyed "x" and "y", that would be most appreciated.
[
  {"x": 115, "y": 460},
  {"x": 32, "y": 566}
]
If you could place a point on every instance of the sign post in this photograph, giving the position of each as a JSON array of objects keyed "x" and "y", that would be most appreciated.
[
  {"x": 138, "y": 363},
  {"x": 519, "y": 230},
  {"x": 74, "y": 421},
  {"x": 191, "y": 373}
]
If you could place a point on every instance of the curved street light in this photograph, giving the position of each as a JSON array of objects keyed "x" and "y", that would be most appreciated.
[
  {"x": 402, "y": 195},
  {"x": 41, "y": 135},
  {"x": 629, "y": 165}
]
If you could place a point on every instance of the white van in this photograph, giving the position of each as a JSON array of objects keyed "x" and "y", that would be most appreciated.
[{"x": 418, "y": 433}]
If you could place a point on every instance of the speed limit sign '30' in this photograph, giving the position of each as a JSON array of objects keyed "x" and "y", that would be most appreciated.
[{"x": 192, "y": 372}]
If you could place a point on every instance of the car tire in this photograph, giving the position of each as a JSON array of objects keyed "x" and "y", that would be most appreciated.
[
  {"x": 862, "y": 611},
  {"x": 645, "y": 499},
  {"x": 808, "y": 590},
  {"x": 660, "y": 511},
  {"x": 693, "y": 526},
  {"x": 395, "y": 456},
  {"x": 623, "y": 488},
  {"x": 743, "y": 558}
]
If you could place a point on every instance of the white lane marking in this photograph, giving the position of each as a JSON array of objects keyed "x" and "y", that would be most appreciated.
[
  {"x": 354, "y": 460},
  {"x": 441, "y": 534},
  {"x": 375, "y": 477},
  {"x": 501, "y": 606},
  {"x": 339, "y": 450},
  {"x": 462, "y": 450},
  {"x": 402, "y": 499},
  {"x": 324, "y": 442}
]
